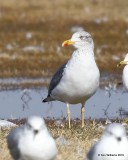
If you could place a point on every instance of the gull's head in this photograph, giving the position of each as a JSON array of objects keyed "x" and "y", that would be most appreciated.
[
  {"x": 80, "y": 39},
  {"x": 124, "y": 62},
  {"x": 115, "y": 130},
  {"x": 35, "y": 124}
]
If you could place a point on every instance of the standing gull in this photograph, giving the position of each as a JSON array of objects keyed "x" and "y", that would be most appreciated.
[
  {"x": 78, "y": 79},
  {"x": 32, "y": 141},
  {"x": 125, "y": 71},
  {"x": 113, "y": 144}
]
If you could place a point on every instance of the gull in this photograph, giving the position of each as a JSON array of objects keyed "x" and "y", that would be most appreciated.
[
  {"x": 113, "y": 144},
  {"x": 78, "y": 79},
  {"x": 32, "y": 141},
  {"x": 125, "y": 71}
]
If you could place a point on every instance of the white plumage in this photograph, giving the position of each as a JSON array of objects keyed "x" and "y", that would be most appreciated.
[
  {"x": 80, "y": 79},
  {"x": 113, "y": 144},
  {"x": 125, "y": 71},
  {"x": 77, "y": 80},
  {"x": 32, "y": 141}
]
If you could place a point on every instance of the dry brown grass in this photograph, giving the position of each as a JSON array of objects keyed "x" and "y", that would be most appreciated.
[
  {"x": 114, "y": 9},
  {"x": 72, "y": 144},
  {"x": 77, "y": 141},
  {"x": 4, "y": 152},
  {"x": 50, "y": 23}
]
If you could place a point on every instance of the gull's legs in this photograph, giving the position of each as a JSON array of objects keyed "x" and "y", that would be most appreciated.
[
  {"x": 68, "y": 113},
  {"x": 82, "y": 114}
]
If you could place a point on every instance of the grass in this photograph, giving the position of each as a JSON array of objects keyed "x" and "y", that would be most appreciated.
[
  {"x": 72, "y": 143},
  {"x": 76, "y": 142},
  {"x": 50, "y": 24}
]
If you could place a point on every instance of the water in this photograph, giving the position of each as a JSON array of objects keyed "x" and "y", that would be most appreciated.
[
  {"x": 20, "y": 81},
  {"x": 23, "y": 103}
]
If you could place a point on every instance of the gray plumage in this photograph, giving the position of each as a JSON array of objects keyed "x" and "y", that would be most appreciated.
[
  {"x": 12, "y": 141},
  {"x": 55, "y": 81}
]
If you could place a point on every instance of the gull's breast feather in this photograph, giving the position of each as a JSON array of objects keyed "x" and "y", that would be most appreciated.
[{"x": 80, "y": 80}]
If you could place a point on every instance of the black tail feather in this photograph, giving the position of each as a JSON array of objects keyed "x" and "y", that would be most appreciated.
[
  {"x": 47, "y": 99},
  {"x": 44, "y": 100}
]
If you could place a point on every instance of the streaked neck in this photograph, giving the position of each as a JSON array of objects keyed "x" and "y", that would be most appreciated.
[{"x": 88, "y": 50}]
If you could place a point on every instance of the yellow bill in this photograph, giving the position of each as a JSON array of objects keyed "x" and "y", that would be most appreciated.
[
  {"x": 121, "y": 63},
  {"x": 67, "y": 43}
]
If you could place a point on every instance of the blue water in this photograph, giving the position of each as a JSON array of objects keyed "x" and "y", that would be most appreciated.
[{"x": 23, "y": 103}]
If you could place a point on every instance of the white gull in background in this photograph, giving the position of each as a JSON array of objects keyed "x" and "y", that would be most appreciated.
[
  {"x": 125, "y": 71},
  {"x": 78, "y": 79},
  {"x": 32, "y": 141},
  {"x": 113, "y": 144}
]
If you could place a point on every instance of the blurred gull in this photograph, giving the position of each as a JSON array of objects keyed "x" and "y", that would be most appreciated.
[
  {"x": 78, "y": 79},
  {"x": 113, "y": 144},
  {"x": 32, "y": 141},
  {"x": 125, "y": 71}
]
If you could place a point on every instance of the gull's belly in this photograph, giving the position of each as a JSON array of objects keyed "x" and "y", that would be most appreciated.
[
  {"x": 77, "y": 87},
  {"x": 29, "y": 143}
]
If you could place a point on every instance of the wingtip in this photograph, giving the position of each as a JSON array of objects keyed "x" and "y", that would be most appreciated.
[
  {"x": 48, "y": 99},
  {"x": 44, "y": 100}
]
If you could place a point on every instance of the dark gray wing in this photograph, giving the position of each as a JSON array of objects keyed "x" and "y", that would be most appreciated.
[
  {"x": 56, "y": 78},
  {"x": 12, "y": 140},
  {"x": 54, "y": 82}
]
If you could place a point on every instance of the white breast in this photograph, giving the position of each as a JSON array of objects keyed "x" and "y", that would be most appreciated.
[
  {"x": 40, "y": 147},
  {"x": 80, "y": 79},
  {"x": 104, "y": 150}
]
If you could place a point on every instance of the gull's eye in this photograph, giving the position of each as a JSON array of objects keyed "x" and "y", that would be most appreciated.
[
  {"x": 82, "y": 37},
  {"x": 88, "y": 36}
]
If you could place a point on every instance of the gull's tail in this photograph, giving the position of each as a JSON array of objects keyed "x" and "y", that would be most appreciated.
[{"x": 48, "y": 99}]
